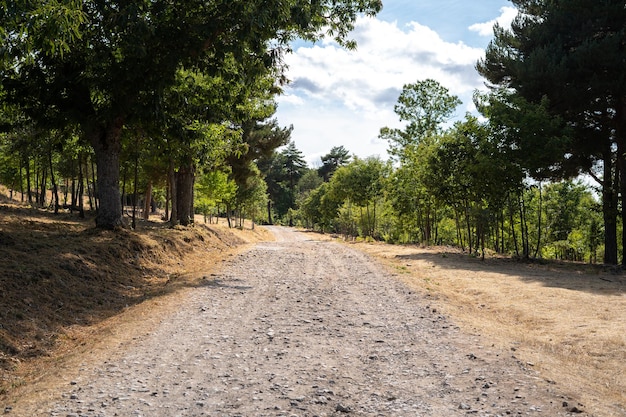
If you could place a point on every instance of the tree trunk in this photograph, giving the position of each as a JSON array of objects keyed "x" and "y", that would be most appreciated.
[
  {"x": 167, "y": 199},
  {"x": 269, "y": 212},
  {"x": 106, "y": 143},
  {"x": 73, "y": 202},
  {"x": 147, "y": 201},
  {"x": 459, "y": 229},
  {"x": 67, "y": 189},
  {"x": 36, "y": 169},
  {"x": 524, "y": 227},
  {"x": 93, "y": 182},
  {"x": 539, "y": 221},
  {"x": 42, "y": 188},
  {"x": 512, "y": 219},
  {"x": 609, "y": 209},
  {"x": 123, "y": 197},
  {"x": 21, "y": 181},
  {"x": 55, "y": 189},
  {"x": 620, "y": 119},
  {"x": 135, "y": 181},
  {"x": 28, "y": 184},
  {"x": 185, "y": 178},
  {"x": 89, "y": 189},
  {"x": 81, "y": 181},
  {"x": 173, "y": 195},
  {"x": 468, "y": 223}
]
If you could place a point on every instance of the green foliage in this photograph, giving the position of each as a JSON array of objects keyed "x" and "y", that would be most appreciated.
[
  {"x": 107, "y": 66},
  {"x": 353, "y": 195},
  {"x": 549, "y": 65},
  {"x": 424, "y": 106},
  {"x": 338, "y": 156},
  {"x": 213, "y": 189},
  {"x": 282, "y": 171}
]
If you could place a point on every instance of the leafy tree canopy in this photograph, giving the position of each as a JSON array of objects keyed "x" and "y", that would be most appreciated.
[{"x": 424, "y": 106}]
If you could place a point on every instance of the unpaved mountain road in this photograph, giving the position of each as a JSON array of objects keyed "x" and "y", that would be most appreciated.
[{"x": 298, "y": 327}]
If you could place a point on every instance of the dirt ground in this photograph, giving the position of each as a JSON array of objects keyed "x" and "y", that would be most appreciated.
[
  {"x": 302, "y": 326},
  {"x": 568, "y": 320}
]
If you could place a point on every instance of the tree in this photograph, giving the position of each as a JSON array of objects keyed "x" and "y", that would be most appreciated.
[
  {"x": 251, "y": 196},
  {"x": 469, "y": 170},
  {"x": 213, "y": 189},
  {"x": 116, "y": 60},
  {"x": 425, "y": 106},
  {"x": 361, "y": 183},
  {"x": 550, "y": 58},
  {"x": 197, "y": 128},
  {"x": 260, "y": 140},
  {"x": 282, "y": 171},
  {"x": 338, "y": 156},
  {"x": 294, "y": 167}
]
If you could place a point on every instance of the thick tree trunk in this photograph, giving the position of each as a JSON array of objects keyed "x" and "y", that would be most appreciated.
[
  {"x": 185, "y": 178},
  {"x": 106, "y": 143}
]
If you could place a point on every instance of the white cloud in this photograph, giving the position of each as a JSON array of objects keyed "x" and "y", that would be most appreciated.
[
  {"x": 507, "y": 14},
  {"x": 386, "y": 59},
  {"x": 340, "y": 97}
]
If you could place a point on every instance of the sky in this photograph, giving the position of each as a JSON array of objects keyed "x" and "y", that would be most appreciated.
[{"x": 343, "y": 98}]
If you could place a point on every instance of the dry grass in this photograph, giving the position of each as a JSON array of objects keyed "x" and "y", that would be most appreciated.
[
  {"x": 567, "y": 320},
  {"x": 64, "y": 284}
]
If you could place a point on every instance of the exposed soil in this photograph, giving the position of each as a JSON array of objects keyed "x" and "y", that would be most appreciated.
[
  {"x": 295, "y": 327},
  {"x": 566, "y": 319}
]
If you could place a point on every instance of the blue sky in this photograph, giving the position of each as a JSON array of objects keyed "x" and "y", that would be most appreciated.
[{"x": 340, "y": 97}]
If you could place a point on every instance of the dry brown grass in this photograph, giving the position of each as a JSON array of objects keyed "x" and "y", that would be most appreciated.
[
  {"x": 567, "y": 320},
  {"x": 65, "y": 285}
]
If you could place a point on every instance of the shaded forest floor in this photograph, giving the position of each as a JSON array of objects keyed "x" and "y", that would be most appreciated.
[{"x": 63, "y": 283}]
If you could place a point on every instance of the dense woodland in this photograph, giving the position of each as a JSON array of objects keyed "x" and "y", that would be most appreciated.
[{"x": 142, "y": 106}]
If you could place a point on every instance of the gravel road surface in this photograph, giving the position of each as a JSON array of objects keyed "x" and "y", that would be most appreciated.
[{"x": 299, "y": 327}]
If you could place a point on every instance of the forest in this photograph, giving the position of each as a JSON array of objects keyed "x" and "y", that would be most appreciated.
[{"x": 129, "y": 108}]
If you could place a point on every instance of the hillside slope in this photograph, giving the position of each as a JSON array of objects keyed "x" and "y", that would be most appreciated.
[{"x": 61, "y": 279}]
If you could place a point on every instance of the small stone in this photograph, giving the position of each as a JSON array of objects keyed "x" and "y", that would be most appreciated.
[
  {"x": 343, "y": 408},
  {"x": 464, "y": 406}
]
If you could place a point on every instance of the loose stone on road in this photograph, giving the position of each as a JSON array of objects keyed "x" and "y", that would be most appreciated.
[{"x": 299, "y": 327}]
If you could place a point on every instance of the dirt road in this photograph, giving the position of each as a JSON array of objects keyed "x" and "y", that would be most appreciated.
[{"x": 303, "y": 328}]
